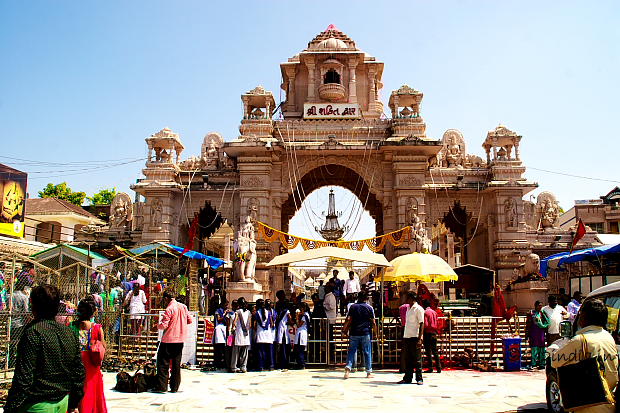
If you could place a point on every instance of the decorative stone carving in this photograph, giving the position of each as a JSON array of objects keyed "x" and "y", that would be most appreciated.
[
  {"x": 210, "y": 150},
  {"x": 421, "y": 241},
  {"x": 245, "y": 248},
  {"x": 191, "y": 164},
  {"x": 453, "y": 153},
  {"x": 409, "y": 180},
  {"x": 253, "y": 205},
  {"x": 121, "y": 211},
  {"x": 511, "y": 215},
  {"x": 474, "y": 161},
  {"x": 548, "y": 210},
  {"x": 252, "y": 181},
  {"x": 528, "y": 271},
  {"x": 412, "y": 210},
  {"x": 156, "y": 212}
]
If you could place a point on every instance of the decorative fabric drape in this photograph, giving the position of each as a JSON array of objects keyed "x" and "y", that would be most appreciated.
[{"x": 376, "y": 244}]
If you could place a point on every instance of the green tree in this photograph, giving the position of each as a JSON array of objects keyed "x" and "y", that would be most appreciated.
[
  {"x": 62, "y": 191},
  {"x": 103, "y": 197}
]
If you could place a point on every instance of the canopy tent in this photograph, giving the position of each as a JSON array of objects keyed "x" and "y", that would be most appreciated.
[
  {"x": 558, "y": 260},
  {"x": 63, "y": 255},
  {"x": 213, "y": 262},
  {"x": 330, "y": 252},
  {"x": 419, "y": 267}
]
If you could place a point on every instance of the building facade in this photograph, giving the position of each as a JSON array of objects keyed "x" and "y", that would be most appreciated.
[{"x": 331, "y": 129}]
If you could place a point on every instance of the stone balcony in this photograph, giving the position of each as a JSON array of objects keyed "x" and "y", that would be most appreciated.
[
  {"x": 256, "y": 127},
  {"x": 408, "y": 126},
  {"x": 332, "y": 92}
]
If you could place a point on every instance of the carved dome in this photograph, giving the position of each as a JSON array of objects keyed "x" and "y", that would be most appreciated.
[{"x": 332, "y": 44}]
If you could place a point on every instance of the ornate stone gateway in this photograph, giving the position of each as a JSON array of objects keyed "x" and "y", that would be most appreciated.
[{"x": 333, "y": 131}]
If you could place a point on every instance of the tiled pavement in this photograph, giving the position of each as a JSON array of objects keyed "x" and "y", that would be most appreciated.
[{"x": 325, "y": 390}]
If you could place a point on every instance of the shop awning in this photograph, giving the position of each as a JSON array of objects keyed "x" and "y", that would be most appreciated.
[
  {"x": 558, "y": 260},
  {"x": 330, "y": 252}
]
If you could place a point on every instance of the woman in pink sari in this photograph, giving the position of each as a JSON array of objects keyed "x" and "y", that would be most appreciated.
[{"x": 88, "y": 332}]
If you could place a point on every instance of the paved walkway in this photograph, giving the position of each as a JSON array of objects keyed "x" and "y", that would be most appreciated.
[{"x": 324, "y": 390}]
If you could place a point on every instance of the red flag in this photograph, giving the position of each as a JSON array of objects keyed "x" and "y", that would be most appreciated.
[
  {"x": 191, "y": 234},
  {"x": 579, "y": 233}
]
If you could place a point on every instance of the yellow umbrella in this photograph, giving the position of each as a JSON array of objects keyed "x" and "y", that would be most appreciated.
[{"x": 419, "y": 267}]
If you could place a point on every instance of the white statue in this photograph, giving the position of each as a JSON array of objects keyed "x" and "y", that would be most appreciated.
[
  {"x": 245, "y": 247},
  {"x": 420, "y": 235},
  {"x": 548, "y": 210}
]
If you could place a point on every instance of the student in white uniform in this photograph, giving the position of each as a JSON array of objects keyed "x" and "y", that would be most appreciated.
[
  {"x": 264, "y": 336},
  {"x": 282, "y": 338},
  {"x": 301, "y": 335},
  {"x": 220, "y": 335},
  {"x": 272, "y": 333},
  {"x": 241, "y": 321}
]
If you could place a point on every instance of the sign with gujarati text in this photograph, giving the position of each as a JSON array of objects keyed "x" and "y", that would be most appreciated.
[{"x": 332, "y": 111}]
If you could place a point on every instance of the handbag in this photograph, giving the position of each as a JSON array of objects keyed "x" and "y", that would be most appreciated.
[
  {"x": 582, "y": 384},
  {"x": 96, "y": 347}
]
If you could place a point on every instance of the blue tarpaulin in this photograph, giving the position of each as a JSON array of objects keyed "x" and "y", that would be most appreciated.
[
  {"x": 576, "y": 256},
  {"x": 213, "y": 262}
]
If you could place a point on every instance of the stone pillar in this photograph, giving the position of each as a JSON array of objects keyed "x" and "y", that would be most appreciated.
[
  {"x": 395, "y": 107},
  {"x": 311, "y": 80},
  {"x": 352, "y": 81},
  {"x": 245, "y": 107},
  {"x": 371, "y": 88}
]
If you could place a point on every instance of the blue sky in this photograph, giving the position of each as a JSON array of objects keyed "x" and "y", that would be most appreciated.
[{"x": 83, "y": 83}]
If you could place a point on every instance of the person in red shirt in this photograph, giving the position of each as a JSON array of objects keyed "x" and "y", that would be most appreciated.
[
  {"x": 431, "y": 329},
  {"x": 174, "y": 322}
]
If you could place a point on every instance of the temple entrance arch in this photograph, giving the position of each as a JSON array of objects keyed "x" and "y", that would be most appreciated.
[{"x": 332, "y": 175}]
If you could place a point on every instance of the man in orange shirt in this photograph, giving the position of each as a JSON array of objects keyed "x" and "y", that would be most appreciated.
[{"x": 174, "y": 322}]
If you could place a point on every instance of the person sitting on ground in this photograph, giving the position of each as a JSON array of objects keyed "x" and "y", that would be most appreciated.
[
  {"x": 599, "y": 343},
  {"x": 49, "y": 375}
]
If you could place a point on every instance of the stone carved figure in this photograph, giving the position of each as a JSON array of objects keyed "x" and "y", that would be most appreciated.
[
  {"x": 528, "y": 271},
  {"x": 253, "y": 205},
  {"x": 510, "y": 213},
  {"x": 453, "y": 151},
  {"x": 422, "y": 242},
  {"x": 210, "y": 151},
  {"x": 156, "y": 211},
  {"x": 191, "y": 164},
  {"x": 412, "y": 210},
  {"x": 245, "y": 248},
  {"x": 548, "y": 210},
  {"x": 121, "y": 211}
]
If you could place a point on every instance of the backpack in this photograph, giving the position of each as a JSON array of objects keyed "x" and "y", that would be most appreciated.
[
  {"x": 150, "y": 375},
  {"x": 124, "y": 382},
  {"x": 139, "y": 383}
]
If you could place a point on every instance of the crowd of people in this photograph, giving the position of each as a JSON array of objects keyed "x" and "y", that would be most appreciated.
[{"x": 543, "y": 324}]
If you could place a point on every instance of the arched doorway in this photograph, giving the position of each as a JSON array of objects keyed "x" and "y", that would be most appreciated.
[{"x": 333, "y": 175}]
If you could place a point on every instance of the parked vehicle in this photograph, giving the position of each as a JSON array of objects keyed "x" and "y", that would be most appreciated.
[{"x": 610, "y": 295}]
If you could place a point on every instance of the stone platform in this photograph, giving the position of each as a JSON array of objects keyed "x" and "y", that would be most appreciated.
[{"x": 324, "y": 390}]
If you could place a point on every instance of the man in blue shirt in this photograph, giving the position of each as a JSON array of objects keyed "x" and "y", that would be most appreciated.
[{"x": 359, "y": 325}]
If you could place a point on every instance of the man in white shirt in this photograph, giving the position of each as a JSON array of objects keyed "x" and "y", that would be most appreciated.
[
  {"x": 412, "y": 344},
  {"x": 352, "y": 285},
  {"x": 556, "y": 314},
  {"x": 331, "y": 308}
]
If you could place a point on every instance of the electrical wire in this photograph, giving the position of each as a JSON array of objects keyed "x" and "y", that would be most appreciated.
[{"x": 574, "y": 176}]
